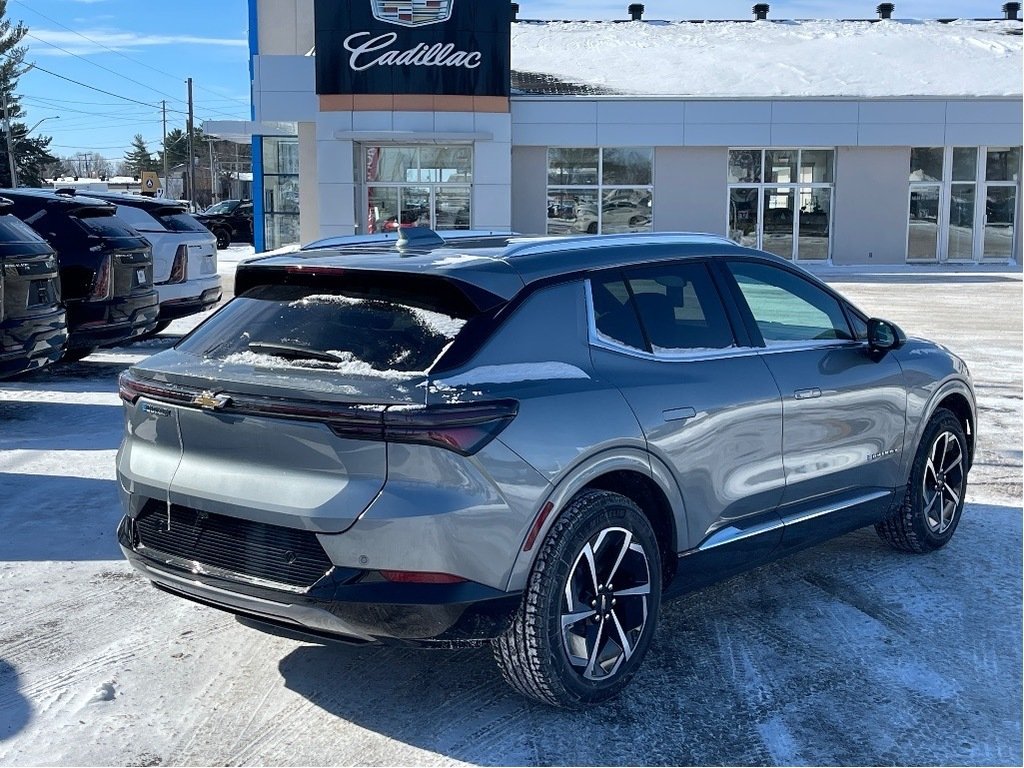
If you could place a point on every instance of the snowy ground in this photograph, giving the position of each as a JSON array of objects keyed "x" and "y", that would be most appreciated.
[{"x": 846, "y": 654}]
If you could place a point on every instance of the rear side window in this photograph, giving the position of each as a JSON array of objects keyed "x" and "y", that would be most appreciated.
[
  {"x": 669, "y": 308},
  {"x": 303, "y": 327},
  {"x": 139, "y": 219},
  {"x": 788, "y": 308}
]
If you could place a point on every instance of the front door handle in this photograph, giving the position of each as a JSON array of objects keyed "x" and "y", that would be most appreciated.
[{"x": 807, "y": 394}]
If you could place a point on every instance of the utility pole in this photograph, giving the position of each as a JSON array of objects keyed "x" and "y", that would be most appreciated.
[
  {"x": 191, "y": 149},
  {"x": 10, "y": 142},
  {"x": 213, "y": 176},
  {"x": 164, "y": 153}
]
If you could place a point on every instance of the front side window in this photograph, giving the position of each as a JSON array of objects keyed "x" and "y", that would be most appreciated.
[
  {"x": 787, "y": 308},
  {"x": 665, "y": 309},
  {"x": 604, "y": 190}
]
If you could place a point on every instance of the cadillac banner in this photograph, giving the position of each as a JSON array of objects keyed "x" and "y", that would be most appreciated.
[{"x": 437, "y": 47}]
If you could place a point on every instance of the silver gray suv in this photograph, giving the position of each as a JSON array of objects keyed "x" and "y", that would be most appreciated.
[{"x": 527, "y": 442}]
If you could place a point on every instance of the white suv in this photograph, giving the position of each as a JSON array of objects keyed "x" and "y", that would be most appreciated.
[{"x": 184, "y": 254}]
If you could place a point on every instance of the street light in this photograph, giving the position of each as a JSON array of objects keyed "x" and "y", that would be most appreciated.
[{"x": 14, "y": 145}]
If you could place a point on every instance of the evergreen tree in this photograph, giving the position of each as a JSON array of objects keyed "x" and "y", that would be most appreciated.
[
  {"x": 176, "y": 146},
  {"x": 139, "y": 158},
  {"x": 32, "y": 155}
]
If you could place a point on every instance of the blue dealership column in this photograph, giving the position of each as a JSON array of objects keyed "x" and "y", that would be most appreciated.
[{"x": 259, "y": 224}]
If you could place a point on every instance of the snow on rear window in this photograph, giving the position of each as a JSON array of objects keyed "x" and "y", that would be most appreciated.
[{"x": 288, "y": 327}]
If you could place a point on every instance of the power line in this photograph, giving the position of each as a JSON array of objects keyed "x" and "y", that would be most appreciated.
[{"x": 123, "y": 55}]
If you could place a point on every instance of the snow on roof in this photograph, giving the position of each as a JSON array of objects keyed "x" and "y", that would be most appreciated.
[{"x": 773, "y": 59}]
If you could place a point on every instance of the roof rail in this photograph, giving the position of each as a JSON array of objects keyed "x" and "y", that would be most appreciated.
[{"x": 583, "y": 242}]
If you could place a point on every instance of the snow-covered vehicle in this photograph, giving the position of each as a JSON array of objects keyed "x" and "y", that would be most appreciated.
[{"x": 184, "y": 254}]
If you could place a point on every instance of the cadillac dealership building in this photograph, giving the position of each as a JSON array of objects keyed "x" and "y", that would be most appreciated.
[{"x": 859, "y": 142}]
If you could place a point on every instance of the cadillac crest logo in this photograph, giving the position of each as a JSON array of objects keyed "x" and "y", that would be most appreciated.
[{"x": 412, "y": 13}]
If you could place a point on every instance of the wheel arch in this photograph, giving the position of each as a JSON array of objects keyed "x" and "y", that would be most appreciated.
[
  {"x": 956, "y": 396},
  {"x": 960, "y": 406},
  {"x": 631, "y": 472}
]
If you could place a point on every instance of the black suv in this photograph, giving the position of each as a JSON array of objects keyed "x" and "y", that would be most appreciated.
[
  {"x": 106, "y": 267},
  {"x": 33, "y": 324},
  {"x": 230, "y": 221}
]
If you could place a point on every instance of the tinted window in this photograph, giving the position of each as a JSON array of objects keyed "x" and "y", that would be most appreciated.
[
  {"x": 303, "y": 327},
  {"x": 12, "y": 230},
  {"x": 105, "y": 225},
  {"x": 226, "y": 207},
  {"x": 680, "y": 308},
  {"x": 614, "y": 314},
  {"x": 181, "y": 222},
  {"x": 139, "y": 219},
  {"x": 788, "y": 308}
]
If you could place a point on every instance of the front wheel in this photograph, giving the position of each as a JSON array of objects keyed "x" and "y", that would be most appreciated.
[
  {"x": 934, "y": 498},
  {"x": 590, "y": 606}
]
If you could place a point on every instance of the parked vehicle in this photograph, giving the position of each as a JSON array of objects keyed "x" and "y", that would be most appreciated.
[
  {"x": 531, "y": 445},
  {"x": 184, "y": 254},
  {"x": 33, "y": 323},
  {"x": 106, "y": 267},
  {"x": 230, "y": 221}
]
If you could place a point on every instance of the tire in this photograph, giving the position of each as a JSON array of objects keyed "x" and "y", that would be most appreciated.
[
  {"x": 159, "y": 328},
  {"x": 934, "y": 498},
  {"x": 576, "y": 666},
  {"x": 592, "y": 228},
  {"x": 77, "y": 354},
  {"x": 223, "y": 239}
]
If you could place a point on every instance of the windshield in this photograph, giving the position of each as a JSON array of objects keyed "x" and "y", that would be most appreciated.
[
  {"x": 225, "y": 207},
  {"x": 300, "y": 327},
  {"x": 182, "y": 222}
]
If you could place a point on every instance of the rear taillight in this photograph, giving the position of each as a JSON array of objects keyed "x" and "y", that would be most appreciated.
[
  {"x": 421, "y": 577},
  {"x": 131, "y": 388},
  {"x": 464, "y": 429},
  {"x": 179, "y": 269},
  {"x": 103, "y": 285}
]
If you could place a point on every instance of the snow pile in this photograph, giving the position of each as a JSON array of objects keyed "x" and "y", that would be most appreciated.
[
  {"x": 347, "y": 364},
  {"x": 766, "y": 59}
]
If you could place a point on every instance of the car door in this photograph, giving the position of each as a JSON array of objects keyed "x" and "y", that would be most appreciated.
[
  {"x": 708, "y": 406},
  {"x": 844, "y": 405}
]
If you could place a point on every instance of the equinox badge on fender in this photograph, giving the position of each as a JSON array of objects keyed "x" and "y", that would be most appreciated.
[{"x": 211, "y": 401}]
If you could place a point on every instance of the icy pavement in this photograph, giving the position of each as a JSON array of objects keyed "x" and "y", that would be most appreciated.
[{"x": 846, "y": 654}]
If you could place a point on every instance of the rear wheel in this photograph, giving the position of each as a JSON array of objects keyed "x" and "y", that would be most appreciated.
[
  {"x": 76, "y": 354},
  {"x": 590, "y": 606},
  {"x": 934, "y": 498},
  {"x": 223, "y": 238}
]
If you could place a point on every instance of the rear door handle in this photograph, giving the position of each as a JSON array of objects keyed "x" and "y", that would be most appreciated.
[
  {"x": 807, "y": 394},
  {"x": 679, "y": 414}
]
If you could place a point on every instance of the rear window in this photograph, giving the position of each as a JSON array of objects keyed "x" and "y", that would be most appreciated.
[
  {"x": 181, "y": 222},
  {"x": 101, "y": 222},
  {"x": 13, "y": 230},
  {"x": 347, "y": 333}
]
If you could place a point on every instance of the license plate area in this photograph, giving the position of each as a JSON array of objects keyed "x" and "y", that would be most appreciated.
[{"x": 41, "y": 294}]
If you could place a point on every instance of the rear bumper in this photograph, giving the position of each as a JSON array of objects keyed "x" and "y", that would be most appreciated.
[
  {"x": 182, "y": 306},
  {"x": 27, "y": 343},
  {"x": 103, "y": 323},
  {"x": 343, "y": 605}
]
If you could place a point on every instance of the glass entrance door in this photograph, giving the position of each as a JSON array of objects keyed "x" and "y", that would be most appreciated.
[{"x": 1000, "y": 221}]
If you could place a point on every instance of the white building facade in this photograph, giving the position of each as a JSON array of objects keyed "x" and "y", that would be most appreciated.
[{"x": 822, "y": 142}]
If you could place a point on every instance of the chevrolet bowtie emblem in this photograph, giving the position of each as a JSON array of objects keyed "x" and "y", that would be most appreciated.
[{"x": 211, "y": 401}]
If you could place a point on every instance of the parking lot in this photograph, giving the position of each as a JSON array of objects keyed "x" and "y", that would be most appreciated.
[{"x": 849, "y": 653}]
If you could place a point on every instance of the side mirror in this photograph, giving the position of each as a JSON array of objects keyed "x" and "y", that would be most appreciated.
[{"x": 884, "y": 336}]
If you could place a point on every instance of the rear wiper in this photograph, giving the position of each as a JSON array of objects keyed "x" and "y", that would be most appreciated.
[{"x": 294, "y": 352}]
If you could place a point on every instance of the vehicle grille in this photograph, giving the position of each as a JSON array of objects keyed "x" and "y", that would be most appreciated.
[{"x": 267, "y": 552}]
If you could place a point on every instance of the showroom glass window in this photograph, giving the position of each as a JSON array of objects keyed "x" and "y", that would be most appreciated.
[
  {"x": 780, "y": 200},
  {"x": 963, "y": 203},
  {"x": 280, "y": 191},
  {"x": 416, "y": 186},
  {"x": 600, "y": 190}
]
